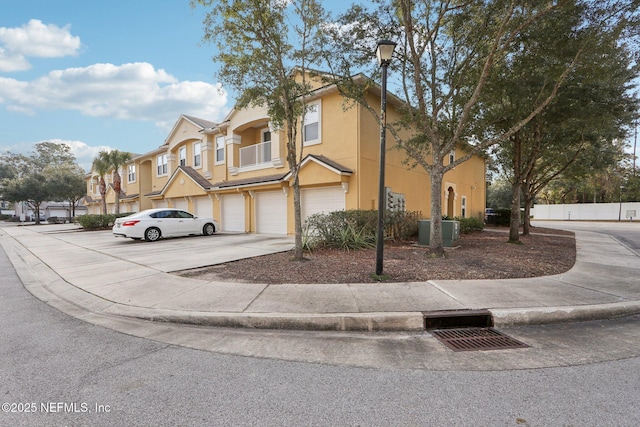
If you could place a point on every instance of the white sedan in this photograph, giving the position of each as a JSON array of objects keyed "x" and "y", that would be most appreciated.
[{"x": 153, "y": 224}]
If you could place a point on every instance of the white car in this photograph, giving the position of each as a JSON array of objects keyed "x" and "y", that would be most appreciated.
[{"x": 153, "y": 224}]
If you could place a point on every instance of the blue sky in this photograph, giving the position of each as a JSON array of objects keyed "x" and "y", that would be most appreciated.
[{"x": 103, "y": 74}]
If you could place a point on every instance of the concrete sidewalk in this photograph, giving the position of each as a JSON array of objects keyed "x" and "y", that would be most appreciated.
[{"x": 604, "y": 283}]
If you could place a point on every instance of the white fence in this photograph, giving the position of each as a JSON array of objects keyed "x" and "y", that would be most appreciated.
[{"x": 588, "y": 211}]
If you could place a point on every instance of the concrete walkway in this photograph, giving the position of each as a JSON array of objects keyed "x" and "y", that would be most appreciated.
[{"x": 57, "y": 263}]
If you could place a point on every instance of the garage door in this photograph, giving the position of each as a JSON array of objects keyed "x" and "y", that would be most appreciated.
[
  {"x": 317, "y": 200},
  {"x": 181, "y": 203},
  {"x": 203, "y": 207},
  {"x": 160, "y": 204},
  {"x": 232, "y": 212},
  {"x": 271, "y": 212}
]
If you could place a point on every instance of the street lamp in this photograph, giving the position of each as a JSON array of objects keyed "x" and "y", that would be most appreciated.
[{"x": 384, "y": 52}]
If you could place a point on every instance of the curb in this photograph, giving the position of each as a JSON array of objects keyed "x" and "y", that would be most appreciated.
[
  {"x": 46, "y": 285},
  {"x": 361, "y": 322},
  {"x": 567, "y": 314}
]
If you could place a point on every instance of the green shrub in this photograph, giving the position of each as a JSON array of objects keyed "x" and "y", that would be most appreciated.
[
  {"x": 351, "y": 229},
  {"x": 401, "y": 224},
  {"x": 467, "y": 225},
  {"x": 356, "y": 229},
  {"x": 98, "y": 222}
]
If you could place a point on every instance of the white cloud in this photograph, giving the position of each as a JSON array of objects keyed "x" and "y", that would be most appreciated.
[
  {"x": 35, "y": 39},
  {"x": 134, "y": 91},
  {"x": 12, "y": 62},
  {"x": 84, "y": 153}
]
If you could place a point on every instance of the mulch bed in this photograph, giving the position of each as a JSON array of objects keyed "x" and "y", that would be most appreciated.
[{"x": 478, "y": 255}]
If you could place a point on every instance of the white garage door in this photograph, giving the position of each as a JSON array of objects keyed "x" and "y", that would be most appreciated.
[
  {"x": 317, "y": 200},
  {"x": 181, "y": 203},
  {"x": 160, "y": 204},
  {"x": 203, "y": 207},
  {"x": 271, "y": 212},
  {"x": 232, "y": 212}
]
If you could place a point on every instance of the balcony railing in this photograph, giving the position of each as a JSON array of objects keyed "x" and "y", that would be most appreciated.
[{"x": 255, "y": 154}]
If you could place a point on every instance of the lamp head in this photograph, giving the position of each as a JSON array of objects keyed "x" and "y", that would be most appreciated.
[{"x": 384, "y": 51}]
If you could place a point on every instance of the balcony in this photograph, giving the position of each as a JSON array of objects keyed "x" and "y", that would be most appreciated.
[{"x": 255, "y": 155}]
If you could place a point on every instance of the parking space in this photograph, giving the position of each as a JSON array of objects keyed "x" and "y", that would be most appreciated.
[{"x": 172, "y": 254}]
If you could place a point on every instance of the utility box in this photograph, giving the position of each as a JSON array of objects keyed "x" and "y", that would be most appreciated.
[{"x": 450, "y": 232}]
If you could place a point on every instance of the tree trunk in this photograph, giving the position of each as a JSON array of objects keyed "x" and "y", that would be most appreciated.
[
  {"x": 294, "y": 169},
  {"x": 117, "y": 187},
  {"x": 435, "y": 237},
  {"x": 297, "y": 214},
  {"x": 37, "y": 213},
  {"x": 526, "y": 221},
  {"x": 103, "y": 193},
  {"x": 514, "y": 224},
  {"x": 528, "y": 202}
]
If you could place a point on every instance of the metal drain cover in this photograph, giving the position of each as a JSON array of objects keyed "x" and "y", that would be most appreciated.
[{"x": 469, "y": 339}]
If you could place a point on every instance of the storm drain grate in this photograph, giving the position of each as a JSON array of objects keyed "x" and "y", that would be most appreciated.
[{"x": 469, "y": 339}]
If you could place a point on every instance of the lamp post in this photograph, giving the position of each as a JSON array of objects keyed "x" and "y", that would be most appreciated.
[
  {"x": 384, "y": 52},
  {"x": 620, "y": 208}
]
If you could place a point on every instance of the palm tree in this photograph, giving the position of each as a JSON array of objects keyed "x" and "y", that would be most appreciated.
[
  {"x": 102, "y": 165},
  {"x": 116, "y": 159}
]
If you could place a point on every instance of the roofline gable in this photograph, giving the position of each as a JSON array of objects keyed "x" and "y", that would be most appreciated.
[
  {"x": 324, "y": 162},
  {"x": 199, "y": 123},
  {"x": 183, "y": 170}
]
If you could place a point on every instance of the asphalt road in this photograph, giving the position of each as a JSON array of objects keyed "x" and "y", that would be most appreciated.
[
  {"x": 626, "y": 232},
  {"x": 58, "y": 370}
]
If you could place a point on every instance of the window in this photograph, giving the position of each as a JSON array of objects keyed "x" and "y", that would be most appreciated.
[
  {"x": 161, "y": 214},
  {"x": 182, "y": 155},
  {"x": 266, "y": 135},
  {"x": 183, "y": 214},
  {"x": 220, "y": 149},
  {"x": 452, "y": 156},
  {"x": 197, "y": 155},
  {"x": 464, "y": 206},
  {"x": 161, "y": 162},
  {"x": 131, "y": 173},
  {"x": 311, "y": 124}
]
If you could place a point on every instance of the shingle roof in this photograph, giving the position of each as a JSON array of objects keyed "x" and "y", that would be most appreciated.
[
  {"x": 249, "y": 181},
  {"x": 280, "y": 177},
  {"x": 331, "y": 163},
  {"x": 201, "y": 122},
  {"x": 199, "y": 179}
]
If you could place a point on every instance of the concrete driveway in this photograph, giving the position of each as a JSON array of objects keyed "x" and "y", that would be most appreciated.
[{"x": 172, "y": 254}]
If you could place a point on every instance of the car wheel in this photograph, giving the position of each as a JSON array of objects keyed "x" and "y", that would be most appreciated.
[
  {"x": 152, "y": 234},
  {"x": 208, "y": 229}
]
